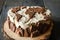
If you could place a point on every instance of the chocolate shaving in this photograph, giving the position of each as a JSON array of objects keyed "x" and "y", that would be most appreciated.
[
  {"x": 46, "y": 17},
  {"x": 18, "y": 16},
  {"x": 39, "y": 10},
  {"x": 25, "y": 33},
  {"x": 31, "y": 12},
  {"x": 37, "y": 24},
  {"x": 19, "y": 31},
  {"x": 14, "y": 10},
  {"x": 35, "y": 33},
  {"x": 28, "y": 31}
]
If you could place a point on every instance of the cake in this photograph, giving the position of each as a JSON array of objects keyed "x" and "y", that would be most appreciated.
[{"x": 29, "y": 22}]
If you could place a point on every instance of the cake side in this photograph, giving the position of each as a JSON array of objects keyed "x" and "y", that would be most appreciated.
[{"x": 14, "y": 36}]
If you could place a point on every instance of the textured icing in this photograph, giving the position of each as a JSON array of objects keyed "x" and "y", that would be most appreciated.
[
  {"x": 11, "y": 15},
  {"x": 23, "y": 22}
]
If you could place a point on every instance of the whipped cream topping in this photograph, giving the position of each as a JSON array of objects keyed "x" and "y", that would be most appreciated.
[
  {"x": 11, "y": 15},
  {"x": 25, "y": 20}
]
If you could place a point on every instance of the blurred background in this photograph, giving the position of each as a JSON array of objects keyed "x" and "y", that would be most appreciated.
[{"x": 53, "y": 5}]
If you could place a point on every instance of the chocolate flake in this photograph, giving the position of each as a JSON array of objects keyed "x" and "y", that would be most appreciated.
[
  {"x": 14, "y": 10},
  {"x": 35, "y": 33},
  {"x": 25, "y": 33},
  {"x": 32, "y": 11},
  {"x": 19, "y": 31},
  {"x": 18, "y": 16},
  {"x": 39, "y": 10}
]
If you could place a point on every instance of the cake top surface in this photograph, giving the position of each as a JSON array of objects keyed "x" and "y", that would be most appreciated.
[{"x": 24, "y": 15}]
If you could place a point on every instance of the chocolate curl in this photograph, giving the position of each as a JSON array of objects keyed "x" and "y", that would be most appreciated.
[
  {"x": 19, "y": 31},
  {"x": 25, "y": 33},
  {"x": 18, "y": 16},
  {"x": 35, "y": 34},
  {"x": 14, "y": 10}
]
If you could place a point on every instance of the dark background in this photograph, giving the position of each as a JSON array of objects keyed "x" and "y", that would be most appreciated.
[{"x": 53, "y": 5}]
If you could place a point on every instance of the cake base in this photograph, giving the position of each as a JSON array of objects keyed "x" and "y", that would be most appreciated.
[{"x": 15, "y": 36}]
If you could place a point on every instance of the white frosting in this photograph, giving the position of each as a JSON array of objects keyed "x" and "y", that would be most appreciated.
[
  {"x": 48, "y": 12},
  {"x": 35, "y": 7},
  {"x": 11, "y": 15},
  {"x": 23, "y": 22},
  {"x": 37, "y": 18}
]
